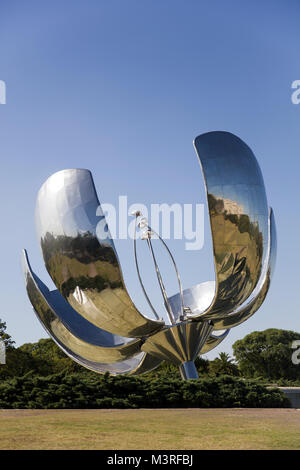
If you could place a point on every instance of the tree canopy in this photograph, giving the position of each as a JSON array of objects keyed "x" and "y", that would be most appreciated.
[
  {"x": 267, "y": 354},
  {"x": 5, "y": 337},
  {"x": 224, "y": 364}
]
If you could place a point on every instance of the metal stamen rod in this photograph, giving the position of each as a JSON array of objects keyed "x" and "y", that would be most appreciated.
[
  {"x": 161, "y": 284},
  {"x": 138, "y": 271},
  {"x": 183, "y": 308}
]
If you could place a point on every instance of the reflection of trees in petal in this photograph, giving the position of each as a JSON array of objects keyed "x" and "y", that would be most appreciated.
[
  {"x": 242, "y": 221},
  {"x": 80, "y": 261},
  {"x": 238, "y": 249},
  {"x": 71, "y": 343},
  {"x": 246, "y": 312},
  {"x": 84, "y": 248},
  {"x": 98, "y": 283}
]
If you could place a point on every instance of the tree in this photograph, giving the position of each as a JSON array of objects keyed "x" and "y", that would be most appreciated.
[
  {"x": 202, "y": 365},
  {"x": 42, "y": 358},
  {"x": 16, "y": 363},
  {"x": 48, "y": 357},
  {"x": 6, "y": 338},
  {"x": 267, "y": 354},
  {"x": 223, "y": 364}
]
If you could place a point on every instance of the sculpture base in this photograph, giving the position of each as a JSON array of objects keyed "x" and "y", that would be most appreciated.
[{"x": 188, "y": 371}]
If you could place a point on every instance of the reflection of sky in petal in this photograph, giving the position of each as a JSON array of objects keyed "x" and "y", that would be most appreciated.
[
  {"x": 67, "y": 204},
  {"x": 216, "y": 191}
]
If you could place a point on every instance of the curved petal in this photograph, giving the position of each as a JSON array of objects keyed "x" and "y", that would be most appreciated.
[
  {"x": 215, "y": 338},
  {"x": 147, "y": 364},
  {"x": 199, "y": 296},
  {"x": 243, "y": 313},
  {"x": 179, "y": 343},
  {"x": 100, "y": 351},
  {"x": 80, "y": 255},
  {"x": 238, "y": 217}
]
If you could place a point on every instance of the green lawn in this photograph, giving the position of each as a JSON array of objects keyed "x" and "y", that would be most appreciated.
[{"x": 180, "y": 429}]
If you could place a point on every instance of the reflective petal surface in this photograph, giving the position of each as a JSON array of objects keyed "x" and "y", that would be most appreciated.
[
  {"x": 214, "y": 340},
  {"x": 80, "y": 256},
  {"x": 179, "y": 343},
  {"x": 91, "y": 315},
  {"x": 238, "y": 217},
  {"x": 242, "y": 314},
  {"x": 99, "y": 350},
  {"x": 199, "y": 297}
]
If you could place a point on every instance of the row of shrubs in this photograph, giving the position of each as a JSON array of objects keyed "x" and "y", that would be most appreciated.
[{"x": 80, "y": 390}]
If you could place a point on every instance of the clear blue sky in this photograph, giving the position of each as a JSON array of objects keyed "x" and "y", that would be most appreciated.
[{"x": 122, "y": 87}]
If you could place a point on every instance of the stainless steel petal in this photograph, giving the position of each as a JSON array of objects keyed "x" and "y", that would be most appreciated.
[
  {"x": 147, "y": 364},
  {"x": 244, "y": 312},
  {"x": 238, "y": 217},
  {"x": 198, "y": 298},
  {"x": 215, "y": 338},
  {"x": 80, "y": 255},
  {"x": 112, "y": 355}
]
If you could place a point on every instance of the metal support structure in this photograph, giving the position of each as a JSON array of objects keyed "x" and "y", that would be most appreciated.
[{"x": 188, "y": 371}]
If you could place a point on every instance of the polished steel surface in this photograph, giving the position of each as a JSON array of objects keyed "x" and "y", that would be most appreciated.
[
  {"x": 214, "y": 340},
  {"x": 198, "y": 298},
  {"x": 149, "y": 232},
  {"x": 92, "y": 317},
  {"x": 238, "y": 215},
  {"x": 84, "y": 267},
  {"x": 179, "y": 343},
  {"x": 82, "y": 341},
  {"x": 244, "y": 312},
  {"x": 188, "y": 371}
]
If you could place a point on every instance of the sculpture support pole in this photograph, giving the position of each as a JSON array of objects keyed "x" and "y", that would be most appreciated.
[{"x": 188, "y": 370}]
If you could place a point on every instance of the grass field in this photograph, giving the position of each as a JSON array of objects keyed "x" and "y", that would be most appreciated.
[{"x": 167, "y": 429}]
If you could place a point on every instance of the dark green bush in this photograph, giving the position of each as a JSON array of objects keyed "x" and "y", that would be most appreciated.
[{"x": 82, "y": 390}]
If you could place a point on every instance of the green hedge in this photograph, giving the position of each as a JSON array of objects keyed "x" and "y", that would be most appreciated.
[{"x": 79, "y": 390}]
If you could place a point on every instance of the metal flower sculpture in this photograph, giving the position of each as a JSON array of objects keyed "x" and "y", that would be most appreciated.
[{"x": 91, "y": 315}]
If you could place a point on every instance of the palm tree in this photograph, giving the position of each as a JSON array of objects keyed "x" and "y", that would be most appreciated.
[{"x": 224, "y": 364}]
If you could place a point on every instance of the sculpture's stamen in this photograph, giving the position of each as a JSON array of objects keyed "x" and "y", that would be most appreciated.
[
  {"x": 161, "y": 284},
  {"x": 147, "y": 235},
  {"x": 137, "y": 214}
]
